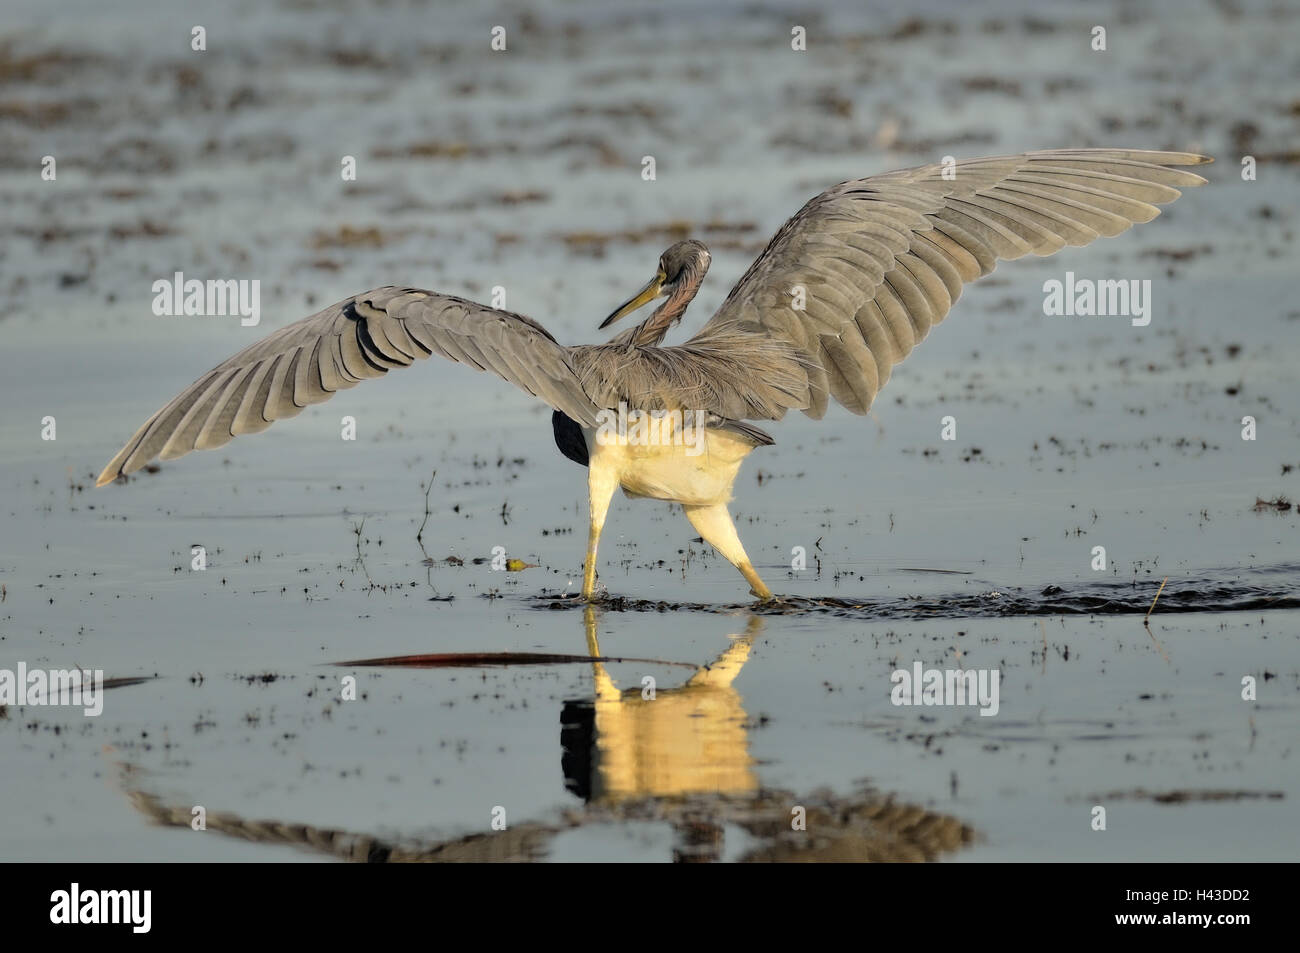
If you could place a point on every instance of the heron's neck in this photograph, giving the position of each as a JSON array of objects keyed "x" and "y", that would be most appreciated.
[{"x": 653, "y": 329}]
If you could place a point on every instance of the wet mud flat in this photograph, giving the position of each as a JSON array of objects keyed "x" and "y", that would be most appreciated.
[{"x": 497, "y": 718}]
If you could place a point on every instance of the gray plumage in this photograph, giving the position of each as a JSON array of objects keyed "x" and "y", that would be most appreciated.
[
  {"x": 880, "y": 261},
  {"x": 337, "y": 348}
]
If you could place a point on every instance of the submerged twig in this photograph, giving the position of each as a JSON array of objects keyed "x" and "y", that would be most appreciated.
[
  {"x": 1156, "y": 599},
  {"x": 419, "y": 534}
]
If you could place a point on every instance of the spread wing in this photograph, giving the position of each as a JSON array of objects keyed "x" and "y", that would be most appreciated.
[
  {"x": 881, "y": 260},
  {"x": 360, "y": 338}
]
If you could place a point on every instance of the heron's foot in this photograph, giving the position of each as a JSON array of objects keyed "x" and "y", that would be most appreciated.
[{"x": 596, "y": 593}]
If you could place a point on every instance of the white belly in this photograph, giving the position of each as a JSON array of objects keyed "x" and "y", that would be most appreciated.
[{"x": 695, "y": 475}]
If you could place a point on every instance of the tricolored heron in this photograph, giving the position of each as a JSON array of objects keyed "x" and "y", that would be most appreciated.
[{"x": 841, "y": 294}]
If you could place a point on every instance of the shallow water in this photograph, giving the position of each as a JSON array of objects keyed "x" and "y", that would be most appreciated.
[{"x": 523, "y": 170}]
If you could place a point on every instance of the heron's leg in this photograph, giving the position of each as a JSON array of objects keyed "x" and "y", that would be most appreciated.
[
  {"x": 606, "y": 689},
  {"x": 601, "y": 483},
  {"x": 714, "y": 523},
  {"x": 722, "y": 671}
]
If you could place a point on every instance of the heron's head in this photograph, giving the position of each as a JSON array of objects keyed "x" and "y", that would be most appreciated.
[{"x": 681, "y": 269}]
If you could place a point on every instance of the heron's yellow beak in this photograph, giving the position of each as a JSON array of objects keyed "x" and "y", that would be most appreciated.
[{"x": 652, "y": 290}]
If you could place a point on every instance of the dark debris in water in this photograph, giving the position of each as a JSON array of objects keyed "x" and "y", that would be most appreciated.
[
  {"x": 126, "y": 680},
  {"x": 1188, "y": 796},
  {"x": 486, "y": 659},
  {"x": 1111, "y": 598}
]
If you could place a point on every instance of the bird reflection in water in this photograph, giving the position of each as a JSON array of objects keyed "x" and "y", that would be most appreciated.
[
  {"x": 677, "y": 756},
  {"x": 649, "y": 741}
]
